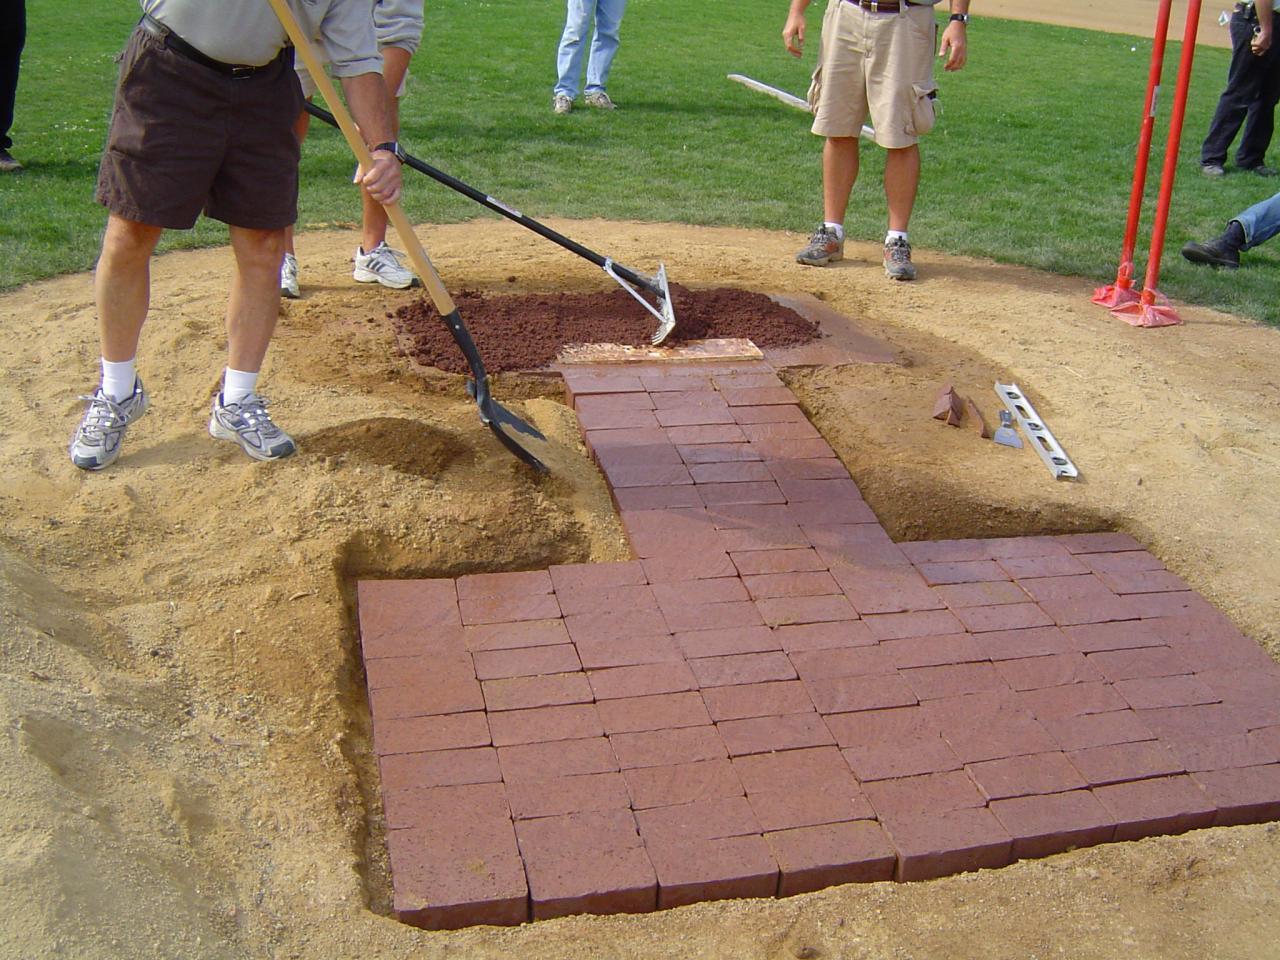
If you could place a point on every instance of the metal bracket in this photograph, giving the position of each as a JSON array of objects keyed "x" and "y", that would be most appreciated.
[{"x": 1042, "y": 440}]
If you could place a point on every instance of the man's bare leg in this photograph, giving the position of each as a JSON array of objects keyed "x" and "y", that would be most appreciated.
[
  {"x": 395, "y": 64},
  {"x": 122, "y": 285},
  {"x": 901, "y": 179},
  {"x": 839, "y": 173},
  {"x": 254, "y": 302}
]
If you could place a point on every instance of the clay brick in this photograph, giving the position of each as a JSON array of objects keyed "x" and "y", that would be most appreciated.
[
  {"x": 554, "y": 797},
  {"x": 830, "y": 664},
  {"x": 727, "y": 640},
  {"x": 664, "y": 471},
  {"x": 1127, "y": 561},
  {"x": 666, "y": 382},
  {"x": 656, "y": 497},
  {"x": 719, "y": 494},
  {"x": 1243, "y": 794},
  {"x": 619, "y": 418},
  {"x": 763, "y": 562},
  {"x": 1084, "y": 610},
  {"x": 771, "y": 699},
  {"x": 802, "y": 491},
  {"x": 516, "y": 584},
  {"x": 988, "y": 726},
  {"x": 675, "y": 399},
  {"x": 1144, "y": 693},
  {"x": 985, "y": 593},
  {"x": 1266, "y": 740},
  {"x": 1098, "y": 542},
  {"x": 762, "y": 378},
  {"x": 696, "y": 453},
  {"x": 780, "y": 430},
  {"x": 931, "y": 793},
  {"x": 742, "y": 540},
  {"x": 438, "y": 768},
  {"x": 634, "y": 596},
  {"x": 953, "y": 680},
  {"x": 586, "y": 863},
  {"x": 560, "y": 758},
  {"x": 396, "y": 615},
  {"x": 779, "y": 611},
  {"x": 455, "y": 694},
  {"x": 574, "y": 721},
  {"x": 1054, "y": 670},
  {"x": 509, "y": 609},
  {"x": 418, "y": 672},
  {"x": 631, "y": 439},
  {"x": 1253, "y": 695},
  {"x": 619, "y": 625},
  {"x": 628, "y": 651},
  {"x": 525, "y": 662},
  {"x": 715, "y": 819},
  {"x": 706, "y": 433},
  {"x": 656, "y": 748},
  {"x": 737, "y": 516},
  {"x": 757, "y": 396},
  {"x": 778, "y": 413},
  {"x": 693, "y": 415},
  {"x": 420, "y": 734},
  {"x": 932, "y": 651},
  {"x": 1143, "y": 581},
  {"x": 729, "y": 868},
  {"x": 520, "y": 693},
  {"x": 709, "y": 616},
  {"x": 683, "y": 566},
  {"x": 1075, "y": 700},
  {"x": 787, "y": 807},
  {"x": 850, "y": 694},
  {"x": 925, "y": 623},
  {"x": 581, "y": 382},
  {"x": 660, "y": 712},
  {"x": 1065, "y": 587},
  {"x": 1022, "y": 643},
  {"x": 794, "y": 449},
  {"x": 831, "y": 511},
  {"x": 1211, "y": 642},
  {"x": 641, "y": 681},
  {"x": 732, "y": 472},
  {"x": 836, "y": 634},
  {"x": 890, "y": 744},
  {"x": 1034, "y": 773},
  {"x": 1045, "y": 825},
  {"x": 1097, "y": 729},
  {"x": 965, "y": 571},
  {"x": 1013, "y": 616},
  {"x": 771, "y": 734},
  {"x": 1180, "y": 604},
  {"x": 654, "y": 532},
  {"x": 1120, "y": 762},
  {"x": 513, "y": 636},
  {"x": 1199, "y": 754},
  {"x": 800, "y": 770},
  {"x": 484, "y": 803},
  {"x": 1056, "y": 565},
  {"x": 812, "y": 858},
  {"x": 1148, "y": 808},
  {"x": 861, "y": 545},
  {"x": 1099, "y": 637},
  {"x": 1002, "y": 548},
  {"x": 938, "y": 844},
  {"x": 815, "y": 583},
  {"x": 676, "y": 783},
  {"x": 823, "y": 468},
  {"x": 946, "y": 551},
  {"x": 1141, "y": 662},
  {"x": 610, "y": 402},
  {"x": 742, "y": 668}
]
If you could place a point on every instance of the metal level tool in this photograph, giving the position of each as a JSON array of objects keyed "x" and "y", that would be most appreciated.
[{"x": 1042, "y": 440}]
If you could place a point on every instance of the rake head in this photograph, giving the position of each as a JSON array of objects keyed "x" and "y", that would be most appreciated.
[{"x": 658, "y": 288}]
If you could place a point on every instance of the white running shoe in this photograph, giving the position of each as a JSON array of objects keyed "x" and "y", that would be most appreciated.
[
  {"x": 96, "y": 444},
  {"x": 381, "y": 265},
  {"x": 289, "y": 277},
  {"x": 248, "y": 424}
]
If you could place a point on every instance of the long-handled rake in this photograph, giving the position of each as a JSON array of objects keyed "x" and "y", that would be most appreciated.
[
  {"x": 494, "y": 415},
  {"x": 656, "y": 285}
]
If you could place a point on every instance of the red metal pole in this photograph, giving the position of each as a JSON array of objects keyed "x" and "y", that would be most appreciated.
[
  {"x": 1121, "y": 292},
  {"x": 1147, "y": 313}
]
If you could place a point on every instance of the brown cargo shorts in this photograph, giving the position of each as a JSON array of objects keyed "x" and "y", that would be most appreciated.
[
  {"x": 879, "y": 64},
  {"x": 186, "y": 138}
]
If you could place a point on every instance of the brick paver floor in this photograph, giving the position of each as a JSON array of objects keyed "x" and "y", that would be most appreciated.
[{"x": 773, "y": 697}]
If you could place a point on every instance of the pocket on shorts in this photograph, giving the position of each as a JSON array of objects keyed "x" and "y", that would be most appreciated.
[
  {"x": 924, "y": 107},
  {"x": 815, "y": 89}
]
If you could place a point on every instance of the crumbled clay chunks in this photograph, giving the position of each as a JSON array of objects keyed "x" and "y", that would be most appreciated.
[{"x": 527, "y": 332}]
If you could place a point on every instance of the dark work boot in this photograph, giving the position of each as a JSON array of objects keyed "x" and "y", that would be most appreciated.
[{"x": 1223, "y": 251}]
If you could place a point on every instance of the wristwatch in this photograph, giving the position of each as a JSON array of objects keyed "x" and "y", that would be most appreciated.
[
  {"x": 959, "y": 18},
  {"x": 391, "y": 146}
]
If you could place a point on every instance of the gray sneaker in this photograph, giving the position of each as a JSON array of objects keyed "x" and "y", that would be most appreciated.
[
  {"x": 561, "y": 104},
  {"x": 289, "y": 277},
  {"x": 249, "y": 424},
  {"x": 600, "y": 100},
  {"x": 1213, "y": 170},
  {"x": 96, "y": 444},
  {"x": 824, "y": 247},
  {"x": 381, "y": 265},
  {"x": 7, "y": 163},
  {"x": 897, "y": 260}
]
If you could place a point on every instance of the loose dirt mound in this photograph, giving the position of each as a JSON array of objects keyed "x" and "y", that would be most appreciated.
[{"x": 527, "y": 332}]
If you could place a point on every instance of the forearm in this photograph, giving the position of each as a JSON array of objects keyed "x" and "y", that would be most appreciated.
[
  {"x": 798, "y": 7},
  {"x": 366, "y": 95},
  {"x": 1266, "y": 15},
  {"x": 959, "y": 6}
]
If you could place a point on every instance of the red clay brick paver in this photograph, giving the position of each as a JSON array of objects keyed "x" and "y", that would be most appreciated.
[{"x": 773, "y": 697}]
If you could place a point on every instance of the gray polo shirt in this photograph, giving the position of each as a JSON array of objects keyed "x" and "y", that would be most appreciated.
[{"x": 247, "y": 31}]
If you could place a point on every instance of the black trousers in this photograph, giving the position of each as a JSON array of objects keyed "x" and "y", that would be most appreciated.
[
  {"x": 1253, "y": 87},
  {"x": 13, "y": 36}
]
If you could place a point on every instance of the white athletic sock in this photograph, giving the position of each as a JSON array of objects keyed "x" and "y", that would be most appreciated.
[
  {"x": 118, "y": 379},
  {"x": 837, "y": 227},
  {"x": 895, "y": 235},
  {"x": 238, "y": 384}
]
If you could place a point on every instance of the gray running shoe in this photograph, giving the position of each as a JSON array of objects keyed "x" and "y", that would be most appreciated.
[
  {"x": 381, "y": 265},
  {"x": 7, "y": 163},
  {"x": 96, "y": 444},
  {"x": 561, "y": 104},
  {"x": 249, "y": 424},
  {"x": 1213, "y": 170},
  {"x": 289, "y": 277},
  {"x": 897, "y": 260},
  {"x": 824, "y": 247},
  {"x": 600, "y": 100}
]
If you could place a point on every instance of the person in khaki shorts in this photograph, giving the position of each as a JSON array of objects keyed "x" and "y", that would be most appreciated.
[{"x": 876, "y": 59}]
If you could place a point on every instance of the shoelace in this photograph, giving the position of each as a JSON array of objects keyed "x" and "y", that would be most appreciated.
[
  {"x": 103, "y": 416},
  {"x": 253, "y": 410},
  {"x": 899, "y": 251}
]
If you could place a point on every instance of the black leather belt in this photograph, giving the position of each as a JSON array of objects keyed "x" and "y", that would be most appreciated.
[
  {"x": 877, "y": 6},
  {"x": 179, "y": 46}
]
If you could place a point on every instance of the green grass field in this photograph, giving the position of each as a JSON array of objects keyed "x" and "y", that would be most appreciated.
[{"x": 1030, "y": 163}]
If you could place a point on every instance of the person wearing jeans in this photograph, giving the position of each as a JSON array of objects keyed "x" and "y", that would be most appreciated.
[
  {"x": 604, "y": 46},
  {"x": 1244, "y": 231},
  {"x": 1253, "y": 88},
  {"x": 13, "y": 36}
]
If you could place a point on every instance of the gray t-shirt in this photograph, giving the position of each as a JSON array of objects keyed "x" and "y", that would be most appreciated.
[{"x": 247, "y": 31}]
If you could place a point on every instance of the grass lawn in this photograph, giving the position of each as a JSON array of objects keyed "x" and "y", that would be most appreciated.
[{"x": 1030, "y": 163}]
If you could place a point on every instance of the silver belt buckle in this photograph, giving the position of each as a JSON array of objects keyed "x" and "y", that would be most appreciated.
[{"x": 242, "y": 72}]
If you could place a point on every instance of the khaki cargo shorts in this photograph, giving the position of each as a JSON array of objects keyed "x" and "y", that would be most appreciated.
[{"x": 877, "y": 64}]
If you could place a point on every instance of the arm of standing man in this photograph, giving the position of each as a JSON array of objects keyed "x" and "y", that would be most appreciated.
[
  {"x": 955, "y": 39},
  {"x": 793, "y": 29},
  {"x": 366, "y": 95},
  {"x": 1266, "y": 21}
]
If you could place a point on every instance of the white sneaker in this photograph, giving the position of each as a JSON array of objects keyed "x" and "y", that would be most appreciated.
[
  {"x": 289, "y": 277},
  {"x": 381, "y": 265},
  {"x": 560, "y": 104}
]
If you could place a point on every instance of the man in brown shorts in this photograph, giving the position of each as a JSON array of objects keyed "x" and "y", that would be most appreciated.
[
  {"x": 876, "y": 59},
  {"x": 204, "y": 121}
]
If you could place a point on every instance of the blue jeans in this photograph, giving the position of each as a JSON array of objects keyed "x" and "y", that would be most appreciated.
[
  {"x": 604, "y": 44},
  {"x": 1261, "y": 222}
]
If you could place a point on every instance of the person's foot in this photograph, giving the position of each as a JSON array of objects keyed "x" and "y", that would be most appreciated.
[
  {"x": 289, "y": 277},
  {"x": 381, "y": 265},
  {"x": 96, "y": 444},
  {"x": 1261, "y": 170},
  {"x": 824, "y": 247},
  {"x": 7, "y": 163},
  {"x": 897, "y": 260},
  {"x": 600, "y": 100},
  {"x": 1222, "y": 251},
  {"x": 560, "y": 104},
  {"x": 1213, "y": 170},
  {"x": 249, "y": 424}
]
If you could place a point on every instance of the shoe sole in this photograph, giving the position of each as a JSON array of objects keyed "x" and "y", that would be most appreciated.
[
  {"x": 819, "y": 261},
  {"x": 1209, "y": 261},
  {"x": 93, "y": 466},
  {"x": 368, "y": 276},
  {"x": 290, "y": 295},
  {"x": 900, "y": 276},
  {"x": 219, "y": 432}
]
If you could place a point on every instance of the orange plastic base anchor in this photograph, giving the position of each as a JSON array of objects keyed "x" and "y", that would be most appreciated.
[
  {"x": 1113, "y": 295},
  {"x": 1148, "y": 315}
]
